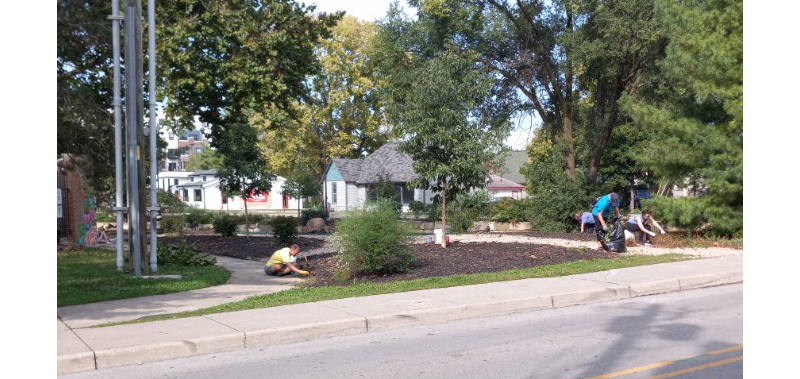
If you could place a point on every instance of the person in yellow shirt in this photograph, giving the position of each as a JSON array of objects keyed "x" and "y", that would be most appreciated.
[{"x": 282, "y": 262}]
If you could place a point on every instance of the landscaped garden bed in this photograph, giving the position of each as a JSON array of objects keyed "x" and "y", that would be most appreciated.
[
  {"x": 462, "y": 258},
  {"x": 253, "y": 248}
]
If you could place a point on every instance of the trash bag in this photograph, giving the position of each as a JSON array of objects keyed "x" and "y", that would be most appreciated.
[{"x": 616, "y": 237}]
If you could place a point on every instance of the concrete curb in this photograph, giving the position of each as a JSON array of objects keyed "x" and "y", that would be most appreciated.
[{"x": 237, "y": 338}]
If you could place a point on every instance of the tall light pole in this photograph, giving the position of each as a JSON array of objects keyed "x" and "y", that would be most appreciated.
[
  {"x": 151, "y": 50},
  {"x": 119, "y": 206}
]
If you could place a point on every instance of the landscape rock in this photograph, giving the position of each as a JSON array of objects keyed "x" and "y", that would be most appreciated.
[{"x": 315, "y": 225}]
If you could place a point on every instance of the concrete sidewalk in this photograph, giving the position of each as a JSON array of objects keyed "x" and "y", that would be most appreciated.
[
  {"x": 247, "y": 279},
  {"x": 95, "y": 348}
]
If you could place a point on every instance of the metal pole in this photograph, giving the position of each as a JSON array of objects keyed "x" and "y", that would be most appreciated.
[
  {"x": 151, "y": 49},
  {"x": 132, "y": 113},
  {"x": 119, "y": 207}
]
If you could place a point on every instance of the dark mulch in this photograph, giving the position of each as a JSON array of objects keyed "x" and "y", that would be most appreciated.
[
  {"x": 465, "y": 258},
  {"x": 565, "y": 236},
  {"x": 253, "y": 248}
]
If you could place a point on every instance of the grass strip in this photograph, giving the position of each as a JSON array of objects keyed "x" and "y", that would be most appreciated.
[
  {"x": 90, "y": 275},
  {"x": 306, "y": 294}
]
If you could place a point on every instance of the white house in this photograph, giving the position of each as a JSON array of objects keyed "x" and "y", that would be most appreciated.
[
  {"x": 200, "y": 189},
  {"x": 349, "y": 182}
]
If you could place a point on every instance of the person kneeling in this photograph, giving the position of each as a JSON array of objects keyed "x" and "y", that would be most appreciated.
[
  {"x": 282, "y": 262},
  {"x": 641, "y": 223}
]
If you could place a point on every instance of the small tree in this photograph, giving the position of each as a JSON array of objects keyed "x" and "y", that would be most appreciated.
[
  {"x": 302, "y": 185},
  {"x": 447, "y": 131},
  {"x": 244, "y": 170}
]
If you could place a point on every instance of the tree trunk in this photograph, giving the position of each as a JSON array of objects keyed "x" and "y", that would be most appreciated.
[
  {"x": 444, "y": 212},
  {"x": 633, "y": 197},
  {"x": 568, "y": 138},
  {"x": 246, "y": 218}
]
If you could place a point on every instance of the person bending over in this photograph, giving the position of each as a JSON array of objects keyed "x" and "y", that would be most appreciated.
[
  {"x": 641, "y": 223},
  {"x": 601, "y": 213},
  {"x": 282, "y": 262}
]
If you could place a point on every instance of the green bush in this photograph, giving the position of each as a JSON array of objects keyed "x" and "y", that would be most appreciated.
[
  {"x": 225, "y": 225},
  {"x": 468, "y": 208},
  {"x": 433, "y": 211},
  {"x": 199, "y": 216},
  {"x": 696, "y": 215},
  {"x": 308, "y": 214},
  {"x": 417, "y": 208},
  {"x": 183, "y": 254},
  {"x": 284, "y": 228},
  {"x": 252, "y": 218},
  {"x": 509, "y": 210},
  {"x": 373, "y": 240},
  {"x": 173, "y": 224}
]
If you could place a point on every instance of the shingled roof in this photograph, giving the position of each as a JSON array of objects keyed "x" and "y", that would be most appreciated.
[
  {"x": 388, "y": 162},
  {"x": 349, "y": 168}
]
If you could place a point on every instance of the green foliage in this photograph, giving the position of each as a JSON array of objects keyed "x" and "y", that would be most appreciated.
[
  {"x": 284, "y": 228},
  {"x": 173, "y": 224},
  {"x": 308, "y": 214},
  {"x": 385, "y": 190},
  {"x": 468, "y": 208},
  {"x": 509, "y": 210},
  {"x": 433, "y": 211},
  {"x": 183, "y": 254},
  {"x": 168, "y": 202},
  {"x": 696, "y": 215},
  {"x": 374, "y": 240},
  {"x": 417, "y": 208},
  {"x": 227, "y": 57},
  {"x": 207, "y": 160},
  {"x": 225, "y": 225},
  {"x": 199, "y": 216},
  {"x": 554, "y": 198}
]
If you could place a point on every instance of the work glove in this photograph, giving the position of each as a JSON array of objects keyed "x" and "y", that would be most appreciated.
[
  {"x": 651, "y": 234},
  {"x": 302, "y": 272},
  {"x": 605, "y": 227},
  {"x": 662, "y": 232}
]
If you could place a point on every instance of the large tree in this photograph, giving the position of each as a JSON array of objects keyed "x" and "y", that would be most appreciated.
[
  {"x": 342, "y": 117},
  {"x": 547, "y": 55},
  {"x": 695, "y": 111},
  {"x": 226, "y": 59}
]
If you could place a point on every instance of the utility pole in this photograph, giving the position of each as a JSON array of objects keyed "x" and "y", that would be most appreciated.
[
  {"x": 119, "y": 207},
  {"x": 151, "y": 60},
  {"x": 133, "y": 116}
]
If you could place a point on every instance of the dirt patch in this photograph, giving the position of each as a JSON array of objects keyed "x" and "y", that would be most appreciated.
[
  {"x": 252, "y": 248},
  {"x": 464, "y": 258}
]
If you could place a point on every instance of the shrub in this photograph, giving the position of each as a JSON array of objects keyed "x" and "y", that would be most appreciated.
[
  {"x": 199, "y": 216},
  {"x": 225, "y": 225},
  {"x": 183, "y": 254},
  {"x": 509, "y": 210},
  {"x": 417, "y": 208},
  {"x": 374, "y": 240},
  {"x": 284, "y": 228},
  {"x": 468, "y": 208},
  {"x": 173, "y": 224},
  {"x": 696, "y": 215},
  {"x": 308, "y": 214},
  {"x": 433, "y": 211}
]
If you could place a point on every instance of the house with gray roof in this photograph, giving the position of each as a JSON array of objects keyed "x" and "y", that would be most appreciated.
[{"x": 348, "y": 183}]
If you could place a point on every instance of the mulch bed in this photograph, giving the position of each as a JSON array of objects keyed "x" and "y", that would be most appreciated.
[
  {"x": 565, "y": 236},
  {"x": 252, "y": 248},
  {"x": 464, "y": 258}
]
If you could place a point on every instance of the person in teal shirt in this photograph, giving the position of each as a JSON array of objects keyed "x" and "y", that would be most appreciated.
[{"x": 601, "y": 212}]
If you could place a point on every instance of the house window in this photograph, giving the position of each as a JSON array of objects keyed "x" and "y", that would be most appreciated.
[
  {"x": 191, "y": 178},
  {"x": 198, "y": 150},
  {"x": 224, "y": 200},
  {"x": 171, "y": 167},
  {"x": 171, "y": 136},
  {"x": 198, "y": 195},
  {"x": 285, "y": 201},
  {"x": 204, "y": 178},
  {"x": 333, "y": 192},
  {"x": 175, "y": 181},
  {"x": 407, "y": 193},
  {"x": 185, "y": 194}
]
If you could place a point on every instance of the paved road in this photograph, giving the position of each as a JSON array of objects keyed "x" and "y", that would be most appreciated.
[{"x": 649, "y": 337}]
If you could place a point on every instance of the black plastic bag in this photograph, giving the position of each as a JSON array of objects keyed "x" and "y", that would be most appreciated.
[{"x": 616, "y": 238}]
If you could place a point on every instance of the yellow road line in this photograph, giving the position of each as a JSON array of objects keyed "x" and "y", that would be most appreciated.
[
  {"x": 662, "y": 364},
  {"x": 697, "y": 368}
]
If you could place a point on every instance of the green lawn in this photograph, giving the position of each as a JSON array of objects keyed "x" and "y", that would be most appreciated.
[
  {"x": 90, "y": 275},
  {"x": 307, "y": 295}
]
